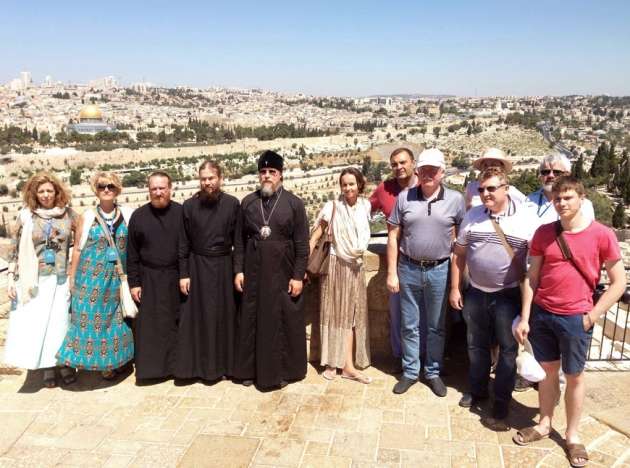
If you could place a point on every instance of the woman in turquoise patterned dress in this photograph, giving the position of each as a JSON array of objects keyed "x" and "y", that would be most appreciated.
[{"x": 98, "y": 338}]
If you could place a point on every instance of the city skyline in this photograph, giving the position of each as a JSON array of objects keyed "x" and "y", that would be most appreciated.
[{"x": 349, "y": 49}]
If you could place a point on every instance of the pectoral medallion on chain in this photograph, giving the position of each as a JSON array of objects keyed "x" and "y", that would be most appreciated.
[{"x": 265, "y": 232}]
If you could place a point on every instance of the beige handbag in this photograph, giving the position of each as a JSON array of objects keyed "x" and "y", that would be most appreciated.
[
  {"x": 128, "y": 306},
  {"x": 319, "y": 259}
]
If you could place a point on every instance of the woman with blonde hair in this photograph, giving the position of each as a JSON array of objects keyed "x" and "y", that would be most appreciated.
[
  {"x": 343, "y": 295},
  {"x": 38, "y": 283},
  {"x": 98, "y": 338}
]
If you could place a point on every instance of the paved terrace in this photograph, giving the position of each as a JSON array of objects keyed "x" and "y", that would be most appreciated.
[{"x": 313, "y": 423}]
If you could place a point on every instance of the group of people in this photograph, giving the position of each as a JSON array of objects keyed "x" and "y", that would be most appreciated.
[
  {"x": 219, "y": 283},
  {"x": 518, "y": 267}
]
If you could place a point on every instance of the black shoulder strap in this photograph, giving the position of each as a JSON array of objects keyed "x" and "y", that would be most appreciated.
[{"x": 566, "y": 252}]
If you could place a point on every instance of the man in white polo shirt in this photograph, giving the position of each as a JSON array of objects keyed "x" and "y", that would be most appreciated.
[{"x": 492, "y": 242}]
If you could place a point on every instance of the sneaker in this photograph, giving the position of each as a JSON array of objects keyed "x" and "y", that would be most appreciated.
[
  {"x": 437, "y": 386},
  {"x": 403, "y": 385},
  {"x": 247, "y": 382},
  {"x": 469, "y": 400}
]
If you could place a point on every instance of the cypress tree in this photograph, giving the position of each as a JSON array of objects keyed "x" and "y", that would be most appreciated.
[
  {"x": 619, "y": 217},
  {"x": 600, "y": 162}
]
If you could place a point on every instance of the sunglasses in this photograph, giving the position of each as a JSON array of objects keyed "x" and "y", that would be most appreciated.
[
  {"x": 556, "y": 172},
  {"x": 490, "y": 188},
  {"x": 110, "y": 187}
]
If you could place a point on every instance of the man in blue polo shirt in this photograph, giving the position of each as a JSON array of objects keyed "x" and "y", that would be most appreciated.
[
  {"x": 492, "y": 242},
  {"x": 420, "y": 233}
]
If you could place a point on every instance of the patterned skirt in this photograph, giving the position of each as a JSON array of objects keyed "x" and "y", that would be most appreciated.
[
  {"x": 98, "y": 337},
  {"x": 343, "y": 307}
]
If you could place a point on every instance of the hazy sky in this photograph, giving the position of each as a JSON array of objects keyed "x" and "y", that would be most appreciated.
[{"x": 344, "y": 47}]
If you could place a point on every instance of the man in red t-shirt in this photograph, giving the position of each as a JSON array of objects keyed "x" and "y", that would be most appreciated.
[
  {"x": 563, "y": 313},
  {"x": 383, "y": 199}
]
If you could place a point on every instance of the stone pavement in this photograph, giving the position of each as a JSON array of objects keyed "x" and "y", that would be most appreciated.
[{"x": 313, "y": 423}]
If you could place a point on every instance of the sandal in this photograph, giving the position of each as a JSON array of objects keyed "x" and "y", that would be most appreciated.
[
  {"x": 576, "y": 452},
  {"x": 108, "y": 375},
  {"x": 364, "y": 379},
  {"x": 528, "y": 435},
  {"x": 49, "y": 378},
  {"x": 329, "y": 374},
  {"x": 68, "y": 375}
]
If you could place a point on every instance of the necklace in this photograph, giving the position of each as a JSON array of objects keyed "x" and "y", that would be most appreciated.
[
  {"x": 265, "y": 230},
  {"x": 108, "y": 218}
]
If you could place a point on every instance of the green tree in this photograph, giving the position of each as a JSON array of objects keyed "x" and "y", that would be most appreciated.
[
  {"x": 526, "y": 181},
  {"x": 619, "y": 217},
  {"x": 577, "y": 170},
  {"x": 601, "y": 205},
  {"x": 600, "y": 166},
  {"x": 75, "y": 176},
  {"x": 134, "y": 179}
]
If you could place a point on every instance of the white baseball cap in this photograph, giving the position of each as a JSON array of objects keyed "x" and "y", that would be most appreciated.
[{"x": 431, "y": 157}]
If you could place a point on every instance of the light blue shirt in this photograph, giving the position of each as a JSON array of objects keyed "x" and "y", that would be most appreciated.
[{"x": 546, "y": 213}]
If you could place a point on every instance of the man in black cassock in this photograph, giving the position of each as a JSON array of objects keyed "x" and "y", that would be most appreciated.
[
  {"x": 271, "y": 253},
  {"x": 205, "y": 342},
  {"x": 153, "y": 278}
]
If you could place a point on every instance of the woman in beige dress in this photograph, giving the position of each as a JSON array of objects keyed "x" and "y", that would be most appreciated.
[{"x": 343, "y": 297}]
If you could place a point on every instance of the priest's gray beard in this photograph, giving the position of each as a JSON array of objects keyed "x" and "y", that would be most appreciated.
[{"x": 266, "y": 190}]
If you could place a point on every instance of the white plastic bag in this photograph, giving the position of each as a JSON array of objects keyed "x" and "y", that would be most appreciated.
[{"x": 527, "y": 366}]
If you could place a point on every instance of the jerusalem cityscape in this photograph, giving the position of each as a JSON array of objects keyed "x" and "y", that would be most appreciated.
[{"x": 161, "y": 332}]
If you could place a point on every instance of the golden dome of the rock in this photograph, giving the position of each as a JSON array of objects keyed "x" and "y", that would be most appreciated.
[{"x": 90, "y": 112}]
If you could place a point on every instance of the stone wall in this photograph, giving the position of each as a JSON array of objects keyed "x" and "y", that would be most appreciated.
[{"x": 375, "y": 267}]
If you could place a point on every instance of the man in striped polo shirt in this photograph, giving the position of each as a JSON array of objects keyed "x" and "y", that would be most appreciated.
[{"x": 492, "y": 242}]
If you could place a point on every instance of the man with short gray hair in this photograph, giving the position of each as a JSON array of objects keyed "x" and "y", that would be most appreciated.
[
  {"x": 551, "y": 167},
  {"x": 420, "y": 233}
]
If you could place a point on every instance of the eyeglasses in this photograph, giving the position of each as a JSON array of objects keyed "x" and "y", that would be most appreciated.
[
  {"x": 110, "y": 187},
  {"x": 556, "y": 172},
  {"x": 490, "y": 188}
]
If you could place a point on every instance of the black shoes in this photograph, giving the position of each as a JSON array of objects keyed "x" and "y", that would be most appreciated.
[
  {"x": 403, "y": 385},
  {"x": 500, "y": 410},
  {"x": 469, "y": 400},
  {"x": 247, "y": 382},
  {"x": 437, "y": 386}
]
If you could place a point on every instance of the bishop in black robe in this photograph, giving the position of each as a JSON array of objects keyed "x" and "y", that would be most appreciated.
[
  {"x": 152, "y": 265},
  {"x": 205, "y": 343},
  {"x": 271, "y": 342}
]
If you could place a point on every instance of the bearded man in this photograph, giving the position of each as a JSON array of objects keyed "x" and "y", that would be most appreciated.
[
  {"x": 205, "y": 340},
  {"x": 271, "y": 252},
  {"x": 152, "y": 277}
]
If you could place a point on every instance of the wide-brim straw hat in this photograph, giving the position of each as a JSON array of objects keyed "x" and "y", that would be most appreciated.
[{"x": 495, "y": 154}]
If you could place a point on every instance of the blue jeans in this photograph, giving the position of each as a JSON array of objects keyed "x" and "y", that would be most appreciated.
[
  {"x": 422, "y": 297},
  {"x": 488, "y": 316},
  {"x": 394, "y": 324}
]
